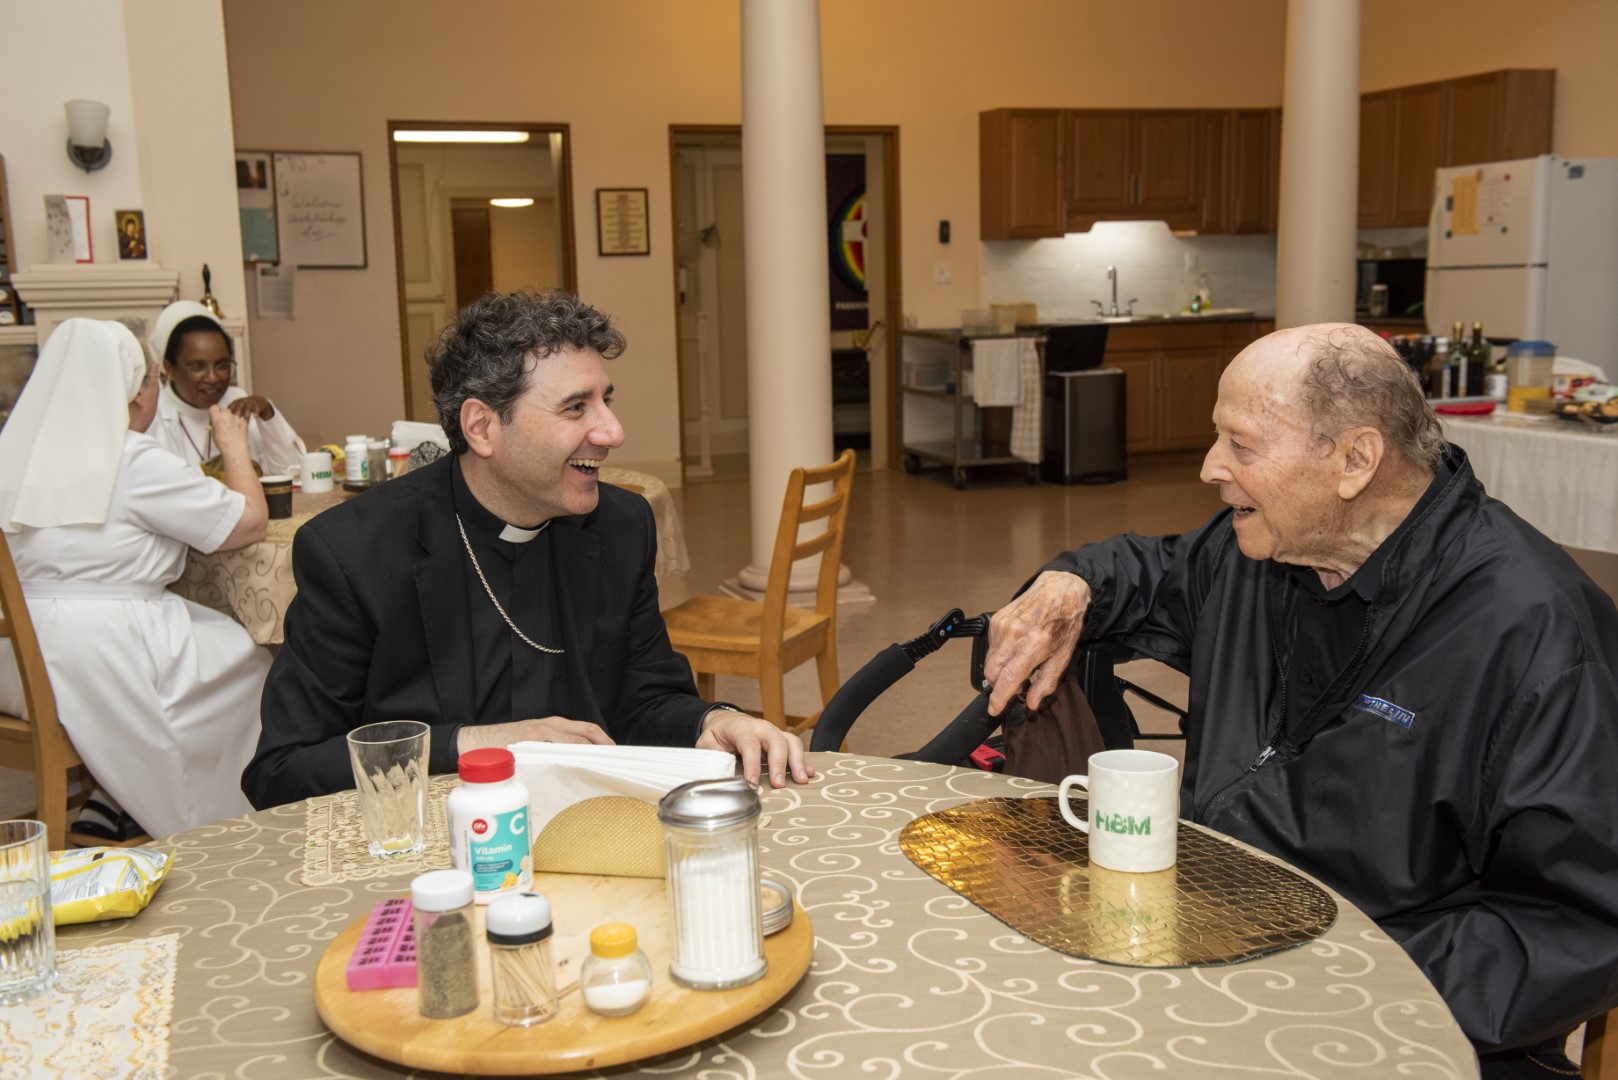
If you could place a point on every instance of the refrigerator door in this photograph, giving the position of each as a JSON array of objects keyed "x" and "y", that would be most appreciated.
[
  {"x": 1490, "y": 215},
  {"x": 1581, "y": 313},
  {"x": 1509, "y": 301}
]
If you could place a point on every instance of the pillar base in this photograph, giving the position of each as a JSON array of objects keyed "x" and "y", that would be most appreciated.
[{"x": 749, "y": 583}]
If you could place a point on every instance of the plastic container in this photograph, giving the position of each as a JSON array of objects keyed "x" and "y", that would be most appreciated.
[
  {"x": 356, "y": 463},
  {"x": 386, "y": 953},
  {"x": 446, "y": 973},
  {"x": 518, "y": 928},
  {"x": 616, "y": 978},
  {"x": 376, "y": 459},
  {"x": 488, "y": 824},
  {"x": 398, "y": 462},
  {"x": 710, "y": 837},
  {"x": 1530, "y": 363}
]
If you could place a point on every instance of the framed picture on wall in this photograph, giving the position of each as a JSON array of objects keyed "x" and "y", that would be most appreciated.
[
  {"x": 320, "y": 210},
  {"x": 621, "y": 227},
  {"x": 131, "y": 234},
  {"x": 255, "y": 201}
]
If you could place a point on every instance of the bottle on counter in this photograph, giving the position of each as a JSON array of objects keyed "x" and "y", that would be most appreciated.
[
  {"x": 1204, "y": 294},
  {"x": 1480, "y": 357},
  {"x": 356, "y": 463},
  {"x": 1497, "y": 383},
  {"x": 488, "y": 823},
  {"x": 1438, "y": 369},
  {"x": 616, "y": 978}
]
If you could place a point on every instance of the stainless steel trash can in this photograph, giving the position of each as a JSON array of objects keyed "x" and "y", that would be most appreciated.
[{"x": 1084, "y": 427}]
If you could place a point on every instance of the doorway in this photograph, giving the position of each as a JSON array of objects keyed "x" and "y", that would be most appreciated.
[
  {"x": 475, "y": 207},
  {"x": 711, "y": 301}
]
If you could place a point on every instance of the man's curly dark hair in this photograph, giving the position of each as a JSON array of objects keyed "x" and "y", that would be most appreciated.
[{"x": 484, "y": 353}]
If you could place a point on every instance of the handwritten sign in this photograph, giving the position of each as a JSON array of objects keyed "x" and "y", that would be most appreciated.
[
  {"x": 320, "y": 210},
  {"x": 621, "y": 227}
]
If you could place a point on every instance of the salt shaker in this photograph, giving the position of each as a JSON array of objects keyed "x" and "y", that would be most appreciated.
[
  {"x": 616, "y": 978},
  {"x": 710, "y": 837},
  {"x": 446, "y": 973},
  {"x": 519, "y": 933}
]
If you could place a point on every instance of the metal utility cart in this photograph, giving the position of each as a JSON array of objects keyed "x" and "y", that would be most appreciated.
[{"x": 941, "y": 423}]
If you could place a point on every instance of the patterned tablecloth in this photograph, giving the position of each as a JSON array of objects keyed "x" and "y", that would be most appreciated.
[
  {"x": 908, "y": 978},
  {"x": 254, "y": 584}
]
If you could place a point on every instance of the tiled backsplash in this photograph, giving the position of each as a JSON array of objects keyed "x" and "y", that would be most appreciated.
[{"x": 1063, "y": 276}]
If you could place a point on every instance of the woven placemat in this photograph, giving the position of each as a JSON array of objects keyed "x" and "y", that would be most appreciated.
[
  {"x": 1022, "y": 863},
  {"x": 334, "y": 849},
  {"x": 107, "y": 1015}
]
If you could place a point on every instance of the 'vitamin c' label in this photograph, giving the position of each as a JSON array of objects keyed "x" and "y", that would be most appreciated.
[{"x": 497, "y": 852}]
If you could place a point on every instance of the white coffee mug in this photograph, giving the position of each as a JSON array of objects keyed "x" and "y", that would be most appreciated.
[
  {"x": 316, "y": 472},
  {"x": 1134, "y": 809}
]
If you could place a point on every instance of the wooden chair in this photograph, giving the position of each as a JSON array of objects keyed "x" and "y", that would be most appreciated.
[
  {"x": 764, "y": 640},
  {"x": 1600, "y": 1059},
  {"x": 39, "y": 743}
]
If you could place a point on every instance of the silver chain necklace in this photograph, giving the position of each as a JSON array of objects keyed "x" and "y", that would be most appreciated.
[{"x": 469, "y": 554}]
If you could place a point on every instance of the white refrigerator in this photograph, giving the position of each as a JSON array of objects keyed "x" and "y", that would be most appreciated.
[{"x": 1528, "y": 248}]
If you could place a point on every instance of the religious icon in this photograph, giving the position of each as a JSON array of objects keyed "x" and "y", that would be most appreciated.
[{"x": 131, "y": 234}]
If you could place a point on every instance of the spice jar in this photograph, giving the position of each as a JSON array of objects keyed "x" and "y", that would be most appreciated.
[
  {"x": 519, "y": 933},
  {"x": 616, "y": 978},
  {"x": 710, "y": 838},
  {"x": 446, "y": 974},
  {"x": 488, "y": 823}
]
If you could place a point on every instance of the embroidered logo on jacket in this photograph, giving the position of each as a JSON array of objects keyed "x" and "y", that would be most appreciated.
[{"x": 1387, "y": 710}]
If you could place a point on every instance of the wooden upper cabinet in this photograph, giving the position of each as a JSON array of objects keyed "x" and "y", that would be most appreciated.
[
  {"x": 1100, "y": 162},
  {"x": 1249, "y": 175},
  {"x": 1166, "y": 166},
  {"x": 1500, "y": 116},
  {"x": 1215, "y": 211},
  {"x": 1020, "y": 174},
  {"x": 1376, "y": 159}
]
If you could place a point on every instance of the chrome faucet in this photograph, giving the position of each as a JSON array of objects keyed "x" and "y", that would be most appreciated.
[{"x": 1101, "y": 309}]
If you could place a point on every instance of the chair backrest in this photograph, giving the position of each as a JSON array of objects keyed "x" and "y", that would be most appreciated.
[
  {"x": 16, "y": 625},
  {"x": 789, "y": 549}
]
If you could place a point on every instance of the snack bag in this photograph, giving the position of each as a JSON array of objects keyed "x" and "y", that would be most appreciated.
[{"x": 94, "y": 884}]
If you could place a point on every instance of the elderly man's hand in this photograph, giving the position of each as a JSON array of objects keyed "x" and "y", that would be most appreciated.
[
  {"x": 1032, "y": 638},
  {"x": 252, "y": 405},
  {"x": 756, "y": 741},
  {"x": 558, "y": 729}
]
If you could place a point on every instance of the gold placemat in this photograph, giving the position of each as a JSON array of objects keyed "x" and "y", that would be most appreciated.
[
  {"x": 335, "y": 850},
  {"x": 1022, "y": 863},
  {"x": 107, "y": 1015}
]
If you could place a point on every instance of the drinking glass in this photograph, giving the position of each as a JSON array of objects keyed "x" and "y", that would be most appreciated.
[
  {"x": 27, "y": 934},
  {"x": 390, "y": 771}
]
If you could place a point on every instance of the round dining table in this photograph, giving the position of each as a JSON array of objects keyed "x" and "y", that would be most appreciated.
[{"x": 908, "y": 978}]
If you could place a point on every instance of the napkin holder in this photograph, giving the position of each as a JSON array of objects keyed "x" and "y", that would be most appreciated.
[{"x": 593, "y": 809}]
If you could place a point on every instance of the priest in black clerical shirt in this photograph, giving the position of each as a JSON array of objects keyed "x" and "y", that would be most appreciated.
[{"x": 500, "y": 594}]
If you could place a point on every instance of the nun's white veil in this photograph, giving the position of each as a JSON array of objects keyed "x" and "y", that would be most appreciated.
[{"x": 62, "y": 447}]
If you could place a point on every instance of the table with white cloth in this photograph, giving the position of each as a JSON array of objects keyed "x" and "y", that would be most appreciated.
[
  {"x": 908, "y": 978},
  {"x": 1560, "y": 476},
  {"x": 254, "y": 584}
]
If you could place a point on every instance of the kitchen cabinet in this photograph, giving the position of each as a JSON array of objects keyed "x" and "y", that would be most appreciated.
[
  {"x": 1128, "y": 164},
  {"x": 1407, "y": 132},
  {"x": 1171, "y": 380},
  {"x": 1020, "y": 174},
  {"x": 1250, "y": 165}
]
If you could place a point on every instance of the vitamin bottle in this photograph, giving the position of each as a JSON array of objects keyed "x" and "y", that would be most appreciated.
[{"x": 488, "y": 823}]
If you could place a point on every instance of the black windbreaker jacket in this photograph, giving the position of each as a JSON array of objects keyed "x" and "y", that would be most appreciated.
[{"x": 1458, "y": 782}]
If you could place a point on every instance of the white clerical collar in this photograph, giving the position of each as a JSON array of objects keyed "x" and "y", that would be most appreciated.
[
  {"x": 514, "y": 535},
  {"x": 184, "y": 407}
]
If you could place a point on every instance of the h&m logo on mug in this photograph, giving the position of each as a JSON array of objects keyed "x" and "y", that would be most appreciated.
[{"x": 1134, "y": 809}]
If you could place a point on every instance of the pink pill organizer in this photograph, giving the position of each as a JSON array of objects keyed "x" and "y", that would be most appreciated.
[{"x": 386, "y": 953}]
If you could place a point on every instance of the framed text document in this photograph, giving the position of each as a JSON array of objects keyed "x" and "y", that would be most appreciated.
[
  {"x": 621, "y": 222},
  {"x": 320, "y": 210}
]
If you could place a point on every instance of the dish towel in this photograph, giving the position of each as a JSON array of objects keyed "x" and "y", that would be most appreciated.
[
  {"x": 1025, "y": 417},
  {"x": 996, "y": 378}
]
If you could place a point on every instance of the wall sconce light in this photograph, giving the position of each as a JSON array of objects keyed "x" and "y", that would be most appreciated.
[{"x": 87, "y": 144}]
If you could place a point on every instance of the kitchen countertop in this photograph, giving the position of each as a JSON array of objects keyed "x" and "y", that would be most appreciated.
[{"x": 1214, "y": 316}]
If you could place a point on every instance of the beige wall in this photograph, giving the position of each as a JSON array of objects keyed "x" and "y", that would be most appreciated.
[
  {"x": 1407, "y": 42},
  {"x": 621, "y": 71}
]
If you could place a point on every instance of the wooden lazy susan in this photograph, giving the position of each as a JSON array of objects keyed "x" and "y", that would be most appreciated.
[{"x": 387, "y": 1023}]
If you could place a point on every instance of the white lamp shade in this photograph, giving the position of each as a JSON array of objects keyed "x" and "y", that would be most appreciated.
[{"x": 87, "y": 123}]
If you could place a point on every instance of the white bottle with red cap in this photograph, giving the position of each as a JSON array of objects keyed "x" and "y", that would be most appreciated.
[{"x": 488, "y": 824}]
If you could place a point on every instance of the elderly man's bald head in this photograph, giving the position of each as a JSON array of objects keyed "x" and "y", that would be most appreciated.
[{"x": 1341, "y": 376}]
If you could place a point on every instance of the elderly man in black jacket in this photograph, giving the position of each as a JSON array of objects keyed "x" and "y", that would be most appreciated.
[{"x": 1396, "y": 684}]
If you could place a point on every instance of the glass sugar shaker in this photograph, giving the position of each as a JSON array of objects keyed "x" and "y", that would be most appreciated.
[
  {"x": 446, "y": 972},
  {"x": 518, "y": 926},
  {"x": 710, "y": 838},
  {"x": 616, "y": 978}
]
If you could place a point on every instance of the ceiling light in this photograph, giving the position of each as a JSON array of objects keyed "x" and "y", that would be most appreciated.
[
  {"x": 461, "y": 136},
  {"x": 512, "y": 203}
]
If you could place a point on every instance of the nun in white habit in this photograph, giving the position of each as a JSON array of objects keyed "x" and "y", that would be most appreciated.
[
  {"x": 159, "y": 695},
  {"x": 195, "y": 352}
]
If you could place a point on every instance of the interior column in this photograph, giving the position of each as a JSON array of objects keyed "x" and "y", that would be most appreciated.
[
  {"x": 789, "y": 402},
  {"x": 1320, "y": 144}
]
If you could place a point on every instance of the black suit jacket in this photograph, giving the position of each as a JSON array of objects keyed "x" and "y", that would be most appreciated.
[{"x": 380, "y": 630}]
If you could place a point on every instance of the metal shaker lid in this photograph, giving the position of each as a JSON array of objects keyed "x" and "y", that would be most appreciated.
[{"x": 709, "y": 804}]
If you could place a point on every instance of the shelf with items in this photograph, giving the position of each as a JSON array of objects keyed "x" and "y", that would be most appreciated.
[{"x": 941, "y": 422}]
